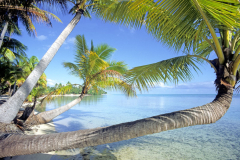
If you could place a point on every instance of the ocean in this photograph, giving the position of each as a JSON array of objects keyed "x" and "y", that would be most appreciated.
[{"x": 220, "y": 140}]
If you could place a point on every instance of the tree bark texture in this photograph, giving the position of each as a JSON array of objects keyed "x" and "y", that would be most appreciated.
[
  {"x": 47, "y": 116},
  {"x": 13, "y": 144},
  {"x": 9, "y": 110},
  {"x": 3, "y": 33}
]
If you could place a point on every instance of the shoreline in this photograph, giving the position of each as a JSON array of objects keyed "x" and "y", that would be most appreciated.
[{"x": 46, "y": 129}]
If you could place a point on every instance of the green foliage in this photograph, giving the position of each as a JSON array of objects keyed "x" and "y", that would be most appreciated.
[
  {"x": 97, "y": 73},
  {"x": 171, "y": 70},
  {"x": 26, "y": 12},
  {"x": 177, "y": 23},
  {"x": 11, "y": 49}
]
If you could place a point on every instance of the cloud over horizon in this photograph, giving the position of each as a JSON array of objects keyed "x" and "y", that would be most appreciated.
[{"x": 41, "y": 37}]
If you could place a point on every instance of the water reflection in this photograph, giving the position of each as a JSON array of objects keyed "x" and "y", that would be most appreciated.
[
  {"x": 214, "y": 141},
  {"x": 59, "y": 101}
]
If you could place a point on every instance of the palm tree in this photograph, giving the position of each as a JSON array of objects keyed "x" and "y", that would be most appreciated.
[
  {"x": 178, "y": 23},
  {"x": 91, "y": 66},
  {"x": 80, "y": 8},
  {"x": 12, "y": 49},
  {"x": 11, "y": 12},
  {"x": 27, "y": 66}
]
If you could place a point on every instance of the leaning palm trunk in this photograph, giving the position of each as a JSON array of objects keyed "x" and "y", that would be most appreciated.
[
  {"x": 9, "y": 110},
  {"x": 12, "y": 145},
  {"x": 47, "y": 116},
  {"x": 3, "y": 33}
]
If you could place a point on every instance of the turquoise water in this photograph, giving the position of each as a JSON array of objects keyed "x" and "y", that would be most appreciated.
[{"x": 220, "y": 140}]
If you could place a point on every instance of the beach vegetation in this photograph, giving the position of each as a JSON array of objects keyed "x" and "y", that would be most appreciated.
[
  {"x": 93, "y": 66},
  {"x": 198, "y": 27}
]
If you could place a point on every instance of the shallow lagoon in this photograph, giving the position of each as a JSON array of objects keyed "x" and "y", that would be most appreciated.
[{"x": 220, "y": 140}]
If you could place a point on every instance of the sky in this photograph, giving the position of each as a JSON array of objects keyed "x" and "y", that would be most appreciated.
[{"x": 134, "y": 46}]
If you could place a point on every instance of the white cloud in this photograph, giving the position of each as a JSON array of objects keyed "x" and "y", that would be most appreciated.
[
  {"x": 162, "y": 85},
  {"x": 41, "y": 37},
  {"x": 70, "y": 40},
  {"x": 51, "y": 82},
  {"x": 198, "y": 85}
]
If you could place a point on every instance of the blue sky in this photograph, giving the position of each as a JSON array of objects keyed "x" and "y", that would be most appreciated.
[{"x": 134, "y": 46}]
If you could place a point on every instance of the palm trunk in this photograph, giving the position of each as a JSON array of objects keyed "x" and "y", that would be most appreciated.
[
  {"x": 3, "y": 33},
  {"x": 9, "y": 110},
  {"x": 12, "y": 145},
  {"x": 14, "y": 88},
  {"x": 47, "y": 116}
]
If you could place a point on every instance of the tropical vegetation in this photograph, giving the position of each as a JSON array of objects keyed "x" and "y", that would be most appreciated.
[
  {"x": 198, "y": 27},
  {"x": 93, "y": 66},
  {"x": 75, "y": 89}
]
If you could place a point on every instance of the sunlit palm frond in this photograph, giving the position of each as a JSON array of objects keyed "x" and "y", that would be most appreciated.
[
  {"x": 95, "y": 71},
  {"x": 74, "y": 70},
  {"x": 8, "y": 54},
  {"x": 104, "y": 51},
  {"x": 96, "y": 63},
  {"x": 120, "y": 66},
  {"x": 26, "y": 13},
  {"x": 105, "y": 74},
  {"x": 13, "y": 48},
  {"x": 177, "y": 23},
  {"x": 81, "y": 47},
  {"x": 171, "y": 70},
  {"x": 114, "y": 83},
  {"x": 203, "y": 49},
  {"x": 42, "y": 81}
]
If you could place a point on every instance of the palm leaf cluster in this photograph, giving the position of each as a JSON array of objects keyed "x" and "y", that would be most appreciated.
[
  {"x": 177, "y": 23},
  {"x": 92, "y": 65},
  {"x": 11, "y": 49},
  {"x": 171, "y": 70},
  {"x": 25, "y": 12}
]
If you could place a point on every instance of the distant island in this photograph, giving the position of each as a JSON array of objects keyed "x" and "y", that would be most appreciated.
[{"x": 78, "y": 90}]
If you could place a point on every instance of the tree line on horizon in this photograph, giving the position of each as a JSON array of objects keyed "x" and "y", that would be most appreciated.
[
  {"x": 74, "y": 89},
  {"x": 198, "y": 27}
]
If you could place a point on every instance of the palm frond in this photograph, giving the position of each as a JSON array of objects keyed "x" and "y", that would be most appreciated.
[
  {"x": 81, "y": 46},
  {"x": 177, "y": 23},
  {"x": 171, "y": 70},
  {"x": 74, "y": 70},
  {"x": 203, "y": 49},
  {"x": 90, "y": 65},
  {"x": 8, "y": 54},
  {"x": 96, "y": 63},
  {"x": 14, "y": 45},
  {"x": 113, "y": 83},
  {"x": 119, "y": 66},
  {"x": 104, "y": 51}
]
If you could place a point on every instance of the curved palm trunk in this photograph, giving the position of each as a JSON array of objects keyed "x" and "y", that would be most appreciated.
[
  {"x": 3, "y": 33},
  {"x": 47, "y": 116},
  {"x": 9, "y": 110},
  {"x": 12, "y": 145}
]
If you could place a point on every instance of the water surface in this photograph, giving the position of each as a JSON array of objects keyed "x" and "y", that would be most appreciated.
[{"x": 220, "y": 140}]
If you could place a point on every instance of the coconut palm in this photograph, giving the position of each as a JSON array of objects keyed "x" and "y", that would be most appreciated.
[
  {"x": 11, "y": 12},
  {"x": 12, "y": 49},
  {"x": 80, "y": 8},
  {"x": 27, "y": 66},
  {"x": 91, "y": 66},
  {"x": 178, "y": 23}
]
